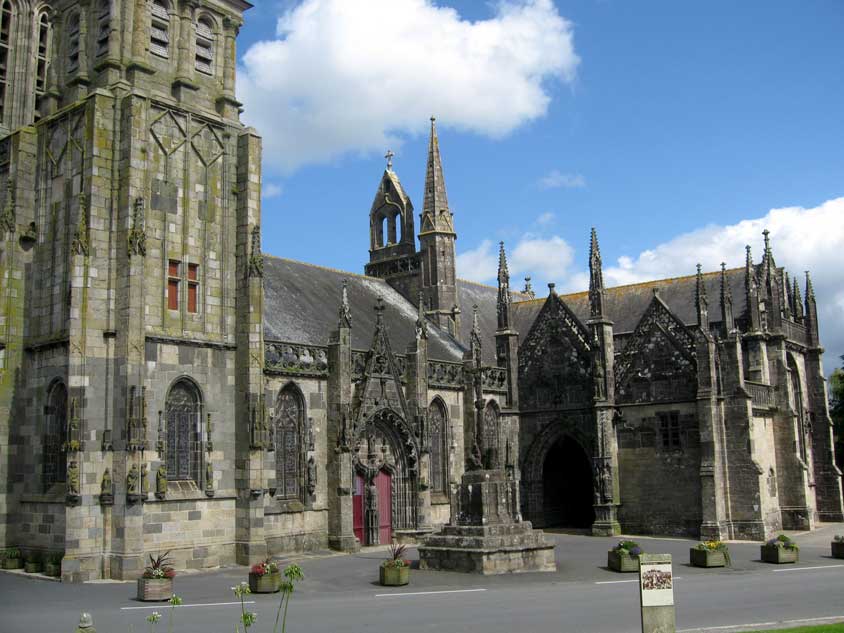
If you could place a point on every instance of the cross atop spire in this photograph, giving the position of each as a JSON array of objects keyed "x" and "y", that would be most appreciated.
[
  {"x": 436, "y": 200},
  {"x": 529, "y": 289},
  {"x": 389, "y": 156}
]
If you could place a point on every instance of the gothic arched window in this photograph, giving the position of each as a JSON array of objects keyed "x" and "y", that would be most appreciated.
[
  {"x": 159, "y": 32},
  {"x": 73, "y": 43},
  {"x": 55, "y": 435},
  {"x": 489, "y": 432},
  {"x": 183, "y": 414},
  {"x": 438, "y": 420},
  {"x": 103, "y": 17},
  {"x": 289, "y": 422},
  {"x": 42, "y": 55},
  {"x": 204, "y": 46},
  {"x": 5, "y": 50}
]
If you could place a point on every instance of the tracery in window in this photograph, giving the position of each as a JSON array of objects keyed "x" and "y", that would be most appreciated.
[
  {"x": 5, "y": 48},
  {"x": 290, "y": 415},
  {"x": 438, "y": 421},
  {"x": 204, "y": 47},
  {"x": 490, "y": 435},
  {"x": 184, "y": 441},
  {"x": 55, "y": 436},
  {"x": 159, "y": 34}
]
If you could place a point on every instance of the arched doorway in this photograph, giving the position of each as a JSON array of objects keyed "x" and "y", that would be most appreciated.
[{"x": 567, "y": 491}]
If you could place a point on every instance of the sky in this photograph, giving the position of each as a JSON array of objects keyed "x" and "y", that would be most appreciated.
[{"x": 678, "y": 130}]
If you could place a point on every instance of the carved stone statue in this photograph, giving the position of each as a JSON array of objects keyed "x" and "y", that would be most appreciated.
[
  {"x": 106, "y": 488},
  {"x": 161, "y": 482},
  {"x": 73, "y": 478},
  {"x": 132, "y": 481},
  {"x": 312, "y": 476},
  {"x": 144, "y": 480},
  {"x": 209, "y": 479}
]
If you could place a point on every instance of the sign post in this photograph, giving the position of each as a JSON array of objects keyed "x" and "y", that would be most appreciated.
[{"x": 656, "y": 593}]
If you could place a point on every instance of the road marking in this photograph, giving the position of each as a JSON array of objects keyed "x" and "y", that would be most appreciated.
[
  {"x": 163, "y": 605},
  {"x": 803, "y": 568},
  {"x": 755, "y": 624},
  {"x": 425, "y": 593}
]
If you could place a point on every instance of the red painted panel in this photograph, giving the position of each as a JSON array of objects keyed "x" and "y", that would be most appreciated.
[
  {"x": 383, "y": 482},
  {"x": 357, "y": 508}
]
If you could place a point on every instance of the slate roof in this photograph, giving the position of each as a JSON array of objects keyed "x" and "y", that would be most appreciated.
[{"x": 301, "y": 303}]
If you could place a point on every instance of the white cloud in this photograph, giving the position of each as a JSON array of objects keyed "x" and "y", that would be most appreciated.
[
  {"x": 271, "y": 190},
  {"x": 555, "y": 179},
  {"x": 548, "y": 258},
  {"x": 344, "y": 76},
  {"x": 545, "y": 219}
]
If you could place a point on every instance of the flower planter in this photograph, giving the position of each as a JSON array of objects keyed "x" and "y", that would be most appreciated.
[
  {"x": 267, "y": 583},
  {"x": 53, "y": 569},
  {"x": 155, "y": 589},
  {"x": 32, "y": 567},
  {"x": 622, "y": 561},
  {"x": 838, "y": 549},
  {"x": 779, "y": 555},
  {"x": 12, "y": 563},
  {"x": 707, "y": 557},
  {"x": 394, "y": 576}
]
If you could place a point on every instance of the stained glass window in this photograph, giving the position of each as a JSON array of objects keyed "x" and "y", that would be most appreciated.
[
  {"x": 55, "y": 434},
  {"x": 184, "y": 451},
  {"x": 288, "y": 443},
  {"x": 439, "y": 447}
]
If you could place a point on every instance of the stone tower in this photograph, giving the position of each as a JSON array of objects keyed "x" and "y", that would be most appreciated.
[
  {"x": 436, "y": 241},
  {"x": 131, "y": 242}
]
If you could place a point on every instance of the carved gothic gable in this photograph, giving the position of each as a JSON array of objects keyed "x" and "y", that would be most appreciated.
[
  {"x": 658, "y": 363},
  {"x": 554, "y": 360}
]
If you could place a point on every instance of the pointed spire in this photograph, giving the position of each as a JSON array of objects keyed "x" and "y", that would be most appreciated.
[
  {"x": 798, "y": 301},
  {"x": 726, "y": 301},
  {"x": 596, "y": 277},
  {"x": 379, "y": 313},
  {"x": 421, "y": 321},
  {"x": 345, "y": 311},
  {"x": 529, "y": 289},
  {"x": 810, "y": 291},
  {"x": 436, "y": 200},
  {"x": 788, "y": 304},
  {"x": 475, "y": 336},
  {"x": 505, "y": 298},
  {"x": 701, "y": 302}
]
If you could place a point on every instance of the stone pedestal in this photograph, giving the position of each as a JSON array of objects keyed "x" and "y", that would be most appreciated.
[{"x": 488, "y": 536}]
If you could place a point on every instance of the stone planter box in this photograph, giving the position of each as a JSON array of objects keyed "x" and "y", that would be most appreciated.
[
  {"x": 838, "y": 549},
  {"x": 32, "y": 567},
  {"x": 394, "y": 576},
  {"x": 268, "y": 583},
  {"x": 619, "y": 561},
  {"x": 707, "y": 558},
  {"x": 155, "y": 589},
  {"x": 779, "y": 555},
  {"x": 12, "y": 563},
  {"x": 53, "y": 569}
]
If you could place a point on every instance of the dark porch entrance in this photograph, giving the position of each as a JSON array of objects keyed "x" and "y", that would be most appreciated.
[{"x": 567, "y": 486}]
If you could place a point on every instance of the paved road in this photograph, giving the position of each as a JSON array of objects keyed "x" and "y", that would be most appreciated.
[{"x": 340, "y": 595}]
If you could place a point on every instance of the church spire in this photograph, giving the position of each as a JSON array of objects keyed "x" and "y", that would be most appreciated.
[
  {"x": 436, "y": 200},
  {"x": 596, "y": 277},
  {"x": 505, "y": 299},
  {"x": 726, "y": 301},
  {"x": 701, "y": 302},
  {"x": 798, "y": 301},
  {"x": 345, "y": 311}
]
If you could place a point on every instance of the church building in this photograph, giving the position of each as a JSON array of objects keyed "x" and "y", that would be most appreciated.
[{"x": 166, "y": 385}]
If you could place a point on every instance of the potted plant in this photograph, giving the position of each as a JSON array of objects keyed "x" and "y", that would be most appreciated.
[
  {"x": 838, "y": 546},
  {"x": 156, "y": 584},
  {"x": 395, "y": 571},
  {"x": 264, "y": 577},
  {"x": 32, "y": 563},
  {"x": 12, "y": 558},
  {"x": 710, "y": 554},
  {"x": 53, "y": 565},
  {"x": 780, "y": 550},
  {"x": 624, "y": 557}
]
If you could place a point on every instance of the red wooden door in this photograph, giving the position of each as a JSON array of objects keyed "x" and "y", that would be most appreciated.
[
  {"x": 357, "y": 508},
  {"x": 384, "y": 485}
]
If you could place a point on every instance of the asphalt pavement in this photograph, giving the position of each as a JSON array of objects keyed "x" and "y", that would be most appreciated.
[{"x": 340, "y": 594}]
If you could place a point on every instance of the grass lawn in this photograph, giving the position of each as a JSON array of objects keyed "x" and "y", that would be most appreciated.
[{"x": 823, "y": 628}]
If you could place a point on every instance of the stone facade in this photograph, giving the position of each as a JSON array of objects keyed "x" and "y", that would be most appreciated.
[{"x": 164, "y": 385}]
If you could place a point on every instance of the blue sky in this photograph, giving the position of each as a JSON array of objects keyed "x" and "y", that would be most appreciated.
[{"x": 674, "y": 128}]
